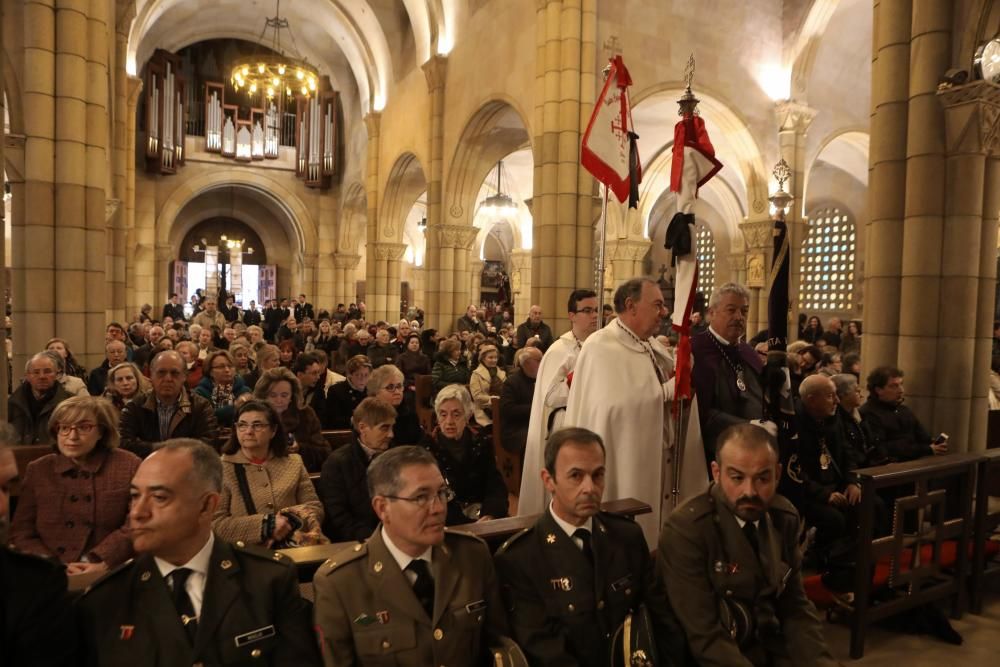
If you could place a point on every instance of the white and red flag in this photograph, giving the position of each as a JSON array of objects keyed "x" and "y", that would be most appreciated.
[{"x": 609, "y": 149}]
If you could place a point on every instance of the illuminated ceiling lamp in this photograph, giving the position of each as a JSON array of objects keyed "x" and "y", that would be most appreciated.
[
  {"x": 277, "y": 72},
  {"x": 499, "y": 205}
]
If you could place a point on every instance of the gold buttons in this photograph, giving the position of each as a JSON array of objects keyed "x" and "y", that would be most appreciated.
[
  {"x": 570, "y": 607},
  {"x": 438, "y": 634},
  {"x": 255, "y": 653},
  {"x": 628, "y": 591},
  {"x": 377, "y": 566},
  {"x": 600, "y": 604},
  {"x": 145, "y": 576},
  {"x": 226, "y": 564},
  {"x": 386, "y": 644},
  {"x": 357, "y": 547},
  {"x": 240, "y": 544},
  {"x": 729, "y": 594}
]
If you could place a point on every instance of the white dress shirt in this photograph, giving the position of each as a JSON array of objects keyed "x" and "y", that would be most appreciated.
[
  {"x": 198, "y": 565},
  {"x": 569, "y": 528},
  {"x": 403, "y": 559}
]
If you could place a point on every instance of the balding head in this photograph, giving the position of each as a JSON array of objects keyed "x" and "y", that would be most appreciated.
[{"x": 819, "y": 396}]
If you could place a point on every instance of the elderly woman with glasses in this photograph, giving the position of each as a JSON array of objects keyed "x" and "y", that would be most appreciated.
[
  {"x": 465, "y": 457},
  {"x": 386, "y": 384},
  {"x": 125, "y": 382},
  {"x": 222, "y": 386},
  {"x": 280, "y": 389},
  {"x": 74, "y": 502},
  {"x": 267, "y": 496}
]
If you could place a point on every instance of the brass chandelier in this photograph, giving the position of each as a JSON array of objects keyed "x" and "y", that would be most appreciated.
[{"x": 277, "y": 73}]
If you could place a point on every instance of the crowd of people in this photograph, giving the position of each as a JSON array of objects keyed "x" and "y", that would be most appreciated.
[{"x": 197, "y": 447}]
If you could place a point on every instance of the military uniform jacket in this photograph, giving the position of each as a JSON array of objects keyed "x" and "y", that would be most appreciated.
[
  {"x": 705, "y": 560},
  {"x": 36, "y": 620},
  {"x": 252, "y": 614},
  {"x": 367, "y": 614},
  {"x": 563, "y": 611}
]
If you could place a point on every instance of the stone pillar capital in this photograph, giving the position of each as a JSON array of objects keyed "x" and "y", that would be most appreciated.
[
  {"x": 134, "y": 88},
  {"x": 164, "y": 252},
  {"x": 343, "y": 261},
  {"x": 758, "y": 234},
  {"x": 452, "y": 236},
  {"x": 793, "y": 116},
  {"x": 972, "y": 117},
  {"x": 390, "y": 251},
  {"x": 630, "y": 249},
  {"x": 435, "y": 71},
  {"x": 124, "y": 14},
  {"x": 373, "y": 120}
]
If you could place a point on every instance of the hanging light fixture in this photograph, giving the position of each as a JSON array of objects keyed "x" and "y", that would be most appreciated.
[
  {"x": 276, "y": 73},
  {"x": 499, "y": 205}
]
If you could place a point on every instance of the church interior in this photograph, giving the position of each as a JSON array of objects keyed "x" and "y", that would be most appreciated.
[{"x": 426, "y": 154}]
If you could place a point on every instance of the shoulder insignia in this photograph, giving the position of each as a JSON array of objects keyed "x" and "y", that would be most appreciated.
[
  {"x": 695, "y": 508},
  {"x": 110, "y": 574},
  {"x": 348, "y": 554},
  {"x": 513, "y": 538},
  {"x": 783, "y": 504},
  {"x": 461, "y": 533},
  {"x": 260, "y": 552}
]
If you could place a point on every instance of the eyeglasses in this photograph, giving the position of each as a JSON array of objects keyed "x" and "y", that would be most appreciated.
[
  {"x": 256, "y": 426},
  {"x": 587, "y": 311},
  {"x": 83, "y": 428},
  {"x": 393, "y": 387},
  {"x": 444, "y": 496}
]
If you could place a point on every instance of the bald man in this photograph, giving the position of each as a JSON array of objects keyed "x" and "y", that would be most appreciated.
[{"x": 534, "y": 328}]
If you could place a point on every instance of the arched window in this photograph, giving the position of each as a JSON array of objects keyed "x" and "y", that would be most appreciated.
[
  {"x": 706, "y": 259},
  {"x": 826, "y": 275}
]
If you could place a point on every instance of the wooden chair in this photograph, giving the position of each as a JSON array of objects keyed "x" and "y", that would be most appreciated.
[
  {"x": 985, "y": 523},
  {"x": 23, "y": 455},
  {"x": 508, "y": 463},
  {"x": 338, "y": 438},
  {"x": 423, "y": 393}
]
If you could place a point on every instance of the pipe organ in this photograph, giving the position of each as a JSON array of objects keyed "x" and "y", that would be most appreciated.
[
  {"x": 316, "y": 139},
  {"x": 165, "y": 89}
]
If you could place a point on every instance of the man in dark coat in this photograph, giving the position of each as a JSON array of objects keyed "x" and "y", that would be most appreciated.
[
  {"x": 188, "y": 597},
  {"x": 173, "y": 308},
  {"x": 114, "y": 354},
  {"x": 168, "y": 411},
  {"x": 34, "y": 608},
  {"x": 533, "y": 327},
  {"x": 515, "y": 402},
  {"x": 570, "y": 580},
  {"x": 727, "y": 371},
  {"x": 893, "y": 425},
  {"x": 31, "y": 404},
  {"x": 303, "y": 309},
  {"x": 251, "y": 316}
]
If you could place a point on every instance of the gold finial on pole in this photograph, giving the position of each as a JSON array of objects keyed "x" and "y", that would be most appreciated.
[
  {"x": 688, "y": 102},
  {"x": 781, "y": 199}
]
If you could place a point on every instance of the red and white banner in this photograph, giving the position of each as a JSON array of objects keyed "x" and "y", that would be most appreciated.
[{"x": 605, "y": 149}]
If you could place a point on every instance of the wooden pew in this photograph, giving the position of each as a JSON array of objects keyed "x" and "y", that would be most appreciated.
[
  {"x": 423, "y": 392},
  {"x": 508, "y": 463},
  {"x": 338, "y": 438},
  {"x": 987, "y": 478},
  {"x": 23, "y": 455},
  {"x": 914, "y": 580}
]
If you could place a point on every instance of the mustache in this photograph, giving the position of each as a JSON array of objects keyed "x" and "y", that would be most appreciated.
[{"x": 750, "y": 500}]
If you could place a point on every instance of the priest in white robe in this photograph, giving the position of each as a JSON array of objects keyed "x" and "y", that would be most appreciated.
[
  {"x": 548, "y": 406},
  {"x": 622, "y": 390}
]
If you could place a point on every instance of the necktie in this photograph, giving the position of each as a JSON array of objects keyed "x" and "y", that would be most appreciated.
[
  {"x": 423, "y": 587},
  {"x": 584, "y": 536},
  {"x": 182, "y": 601},
  {"x": 750, "y": 530}
]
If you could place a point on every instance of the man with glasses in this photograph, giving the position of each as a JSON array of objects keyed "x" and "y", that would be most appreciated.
[
  {"x": 548, "y": 403},
  {"x": 29, "y": 406},
  {"x": 414, "y": 594},
  {"x": 168, "y": 411}
]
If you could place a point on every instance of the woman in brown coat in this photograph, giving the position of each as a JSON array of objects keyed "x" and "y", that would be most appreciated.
[
  {"x": 74, "y": 502},
  {"x": 282, "y": 391},
  {"x": 267, "y": 496}
]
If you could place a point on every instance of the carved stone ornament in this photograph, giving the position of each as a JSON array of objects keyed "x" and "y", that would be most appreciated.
[
  {"x": 110, "y": 207},
  {"x": 972, "y": 117},
  {"x": 390, "y": 251},
  {"x": 630, "y": 250},
  {"x": 452, "y": 236},
  {"x": 345, "y": 261},
  {"x": 755, "y": 270},
  {"x": 758, "y": 234},
  {"x": 456, "y": 210},
  {"x": 794, "y": 117}
]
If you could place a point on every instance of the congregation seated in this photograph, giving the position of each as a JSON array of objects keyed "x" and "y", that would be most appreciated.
[
  {"x": 74, "y": 502},
  {"x": 222, "y": 387},
  {"x": 893, "y": 426},
  {"x": 386, "y": 384},
  {"x": 485, "y": 383},
  {"x": 515, "y": 399},
  {"x": 382, "y": 351},
  {"x": 32, "y": 403},
  {"x": 242, "y": 360},
  {"x": 856, "y": 431},
  {"x": 73, "y": 385},
  {"x": 71, "y": 367},
  {"x": 167, "y": 411},
  {"x": 114, "y": 354},
  {"x": 413, "y": 362},
  {"x": 124, "y": 382},
  {"x": 192, "y": 363},
  {"x": 267, "y": 496},
  {"x": 343, "y": 485},
  {"x": 465, "y": 456},
  {"x": 449, "y": 367},
  {"x": 280, "y": 389},
  {"x": 268, "y": 357},
  {"x": 344, "y": 396}
]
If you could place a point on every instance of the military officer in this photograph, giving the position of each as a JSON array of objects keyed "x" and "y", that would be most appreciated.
[
  {"x": 570, "y": 580},
  {"x": 190, "y": 598},
  {"x": 730, "y": 561},
  {"x": 414, "y": 594}
]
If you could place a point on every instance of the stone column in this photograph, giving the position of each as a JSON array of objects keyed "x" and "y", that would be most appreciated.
[
  {"x": 793, "y": 122},
  {"x": 758, "y": 238},
  {"x": 626, "y": 257},
  {"x": 372, "y": 123},
  {"x": 344, "y": 287},
  {"x": 955, "y": 391},
  {"x": 132, "y": 101},
  {"x": 887, "y": 179},
  {"x": 382, "y": 282},
  {"x": 117, "y": 238},
  {"x": 475, "y": 279},
  {"x": 419, "y": 287},
  {"x": 3, "y": 226},
  {"x": 520, "y": 281},
  {"x": 450, "y": 273},
  {"x": 142, "y": 274},
  {"x": 435, "y": 71}
]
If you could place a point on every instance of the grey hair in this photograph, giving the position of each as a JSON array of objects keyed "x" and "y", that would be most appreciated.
[
  {"x": 350, "y": 328},
  {"x": 206, "y": 466},
  {"x": 383, "y": 473},
  {"x": 845, "y": 383},
  {"x": 521, "y": 355},
  {"x": 454, "y": 392},
  {"x": 381, "y": 377},
  {"x": 46, "y": 354},
  {"x": 630, "y": 289},
  {"x": 728, "y": 288}
]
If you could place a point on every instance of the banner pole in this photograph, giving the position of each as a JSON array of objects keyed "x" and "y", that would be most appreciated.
[{"x": 602, "y": 256}]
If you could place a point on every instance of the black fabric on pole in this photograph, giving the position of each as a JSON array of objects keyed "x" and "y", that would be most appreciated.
[
  {"x": 633, "y": 170},
  {"x": 679, "y": 235},
  {"x": 777, "y": 300}
]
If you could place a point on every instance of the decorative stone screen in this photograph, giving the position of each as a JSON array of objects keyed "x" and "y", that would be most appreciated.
[
  {"x": 826, "y": 278},
  {"x": 706, "y": 259}
]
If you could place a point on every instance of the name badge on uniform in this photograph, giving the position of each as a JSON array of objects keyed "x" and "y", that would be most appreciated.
[
  {"x": 624, "y": 582},
  {"x": 475, "y": 607},
  {"x": 254, "y": 636},
  {"x": 564, "y": 584}
]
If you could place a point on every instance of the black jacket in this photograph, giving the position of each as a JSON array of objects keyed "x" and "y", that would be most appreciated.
[
  {"x": 343, "y": 488},
  {"x": 140, "y": 423},
  {"x": 526, "y": 330},
  {"x": 98, "y": 379},
  {"x": 339, "y": 405},
  {"x": 251, "y": 317},
  {"x": 33, "y": 430},
  {"x": 896, "y": 429},
  {"x": 474, "y": 477},
  {"x": 175, "y": 312},
  {"x": 37, "y": 625},
  {"x": 860, "y": 440},
  {"x": 515, "y": 410},
  {"x": 805, "y": 479}
]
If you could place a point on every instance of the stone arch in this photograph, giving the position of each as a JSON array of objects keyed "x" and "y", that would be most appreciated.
[
  {"x": 353, "y": 219},
  {"x": 406, "y": 181},
  {"x": 846, "y": 149},
  {"x": 496, "y": 129},
  {"x": 807, "y": 43},
  {"x": 12, "y": 95}
]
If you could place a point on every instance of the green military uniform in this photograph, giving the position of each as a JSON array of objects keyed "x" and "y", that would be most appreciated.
[
  {"x": 563, "y": 610},
  {"x": 738, "y": 610},
  {"x": 252, "y": 614},
  {"x": 368, "y": 614}
]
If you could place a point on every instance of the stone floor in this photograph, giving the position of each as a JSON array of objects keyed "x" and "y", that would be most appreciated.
[{"x": 889, "y": 649}]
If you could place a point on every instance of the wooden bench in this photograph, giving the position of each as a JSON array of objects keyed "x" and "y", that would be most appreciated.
[
  {"x": 422, "y": 393},
  {"x": 987, "y": 478},
  {"x": 338, "y": 438},
  {"x": 920, "y": 569},
  {"x": 23, "y": 455},
  {"x": 508, "y": 463}
]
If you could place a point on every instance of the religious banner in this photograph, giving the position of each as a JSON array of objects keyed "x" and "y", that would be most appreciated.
[{"x": 609, "y": 150}]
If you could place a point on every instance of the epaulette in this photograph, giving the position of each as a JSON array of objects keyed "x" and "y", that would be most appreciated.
[
  {"x": 109, "y": 575},
  {"x": 696, "y": 508},
  {"x": 344, "y": 556},
  {"x": 258, "y": 551},
  {"x": 514, "y": 538},
  {"x": 783, "y": 504}
]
